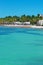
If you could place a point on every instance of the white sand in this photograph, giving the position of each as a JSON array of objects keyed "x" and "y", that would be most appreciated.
[
  {"x": 24, "y": 26},
  {"x": 33, "y": 26}
]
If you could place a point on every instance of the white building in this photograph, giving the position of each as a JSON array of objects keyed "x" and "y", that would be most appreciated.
[
  {"x": 21, "y": 23},
  {"x": 40, "y": 22},
  {"x": 17, "y": 23},
  {"x": 26, "y": 23}
]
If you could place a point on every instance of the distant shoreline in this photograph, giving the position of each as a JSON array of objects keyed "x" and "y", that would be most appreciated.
[{"x": 23, "y": 26}]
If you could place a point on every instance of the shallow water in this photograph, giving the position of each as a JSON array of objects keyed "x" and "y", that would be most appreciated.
[{"x": 21, "y": 46}]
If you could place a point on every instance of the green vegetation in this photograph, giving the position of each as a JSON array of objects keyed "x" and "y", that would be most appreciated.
[{"x": 10, "y": 19}]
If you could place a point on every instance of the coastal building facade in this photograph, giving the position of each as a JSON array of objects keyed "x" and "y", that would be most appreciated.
[
  {"x": 40, "y": 22},
  {"x": 21, "y": 23},
  {"x": 26, "y": 23},
  {"x": 18, "y": 23}
]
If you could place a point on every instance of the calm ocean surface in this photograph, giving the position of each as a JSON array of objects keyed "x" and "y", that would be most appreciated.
[{"x": 21, "y": 46}]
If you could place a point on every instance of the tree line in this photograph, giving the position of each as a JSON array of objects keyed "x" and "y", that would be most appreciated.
[{"x": 24, "y": 18}]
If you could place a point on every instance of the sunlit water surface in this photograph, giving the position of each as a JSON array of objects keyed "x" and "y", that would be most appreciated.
[{"x": 21, "y": 46}]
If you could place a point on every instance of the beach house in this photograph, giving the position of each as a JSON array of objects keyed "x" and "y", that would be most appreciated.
[
  {"x": 26, "y": 23},
  {"x": 17, "y": 23},
  {"x": 40, "y": 22}
]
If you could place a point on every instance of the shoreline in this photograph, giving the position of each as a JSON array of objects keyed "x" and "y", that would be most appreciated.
[{"x": 23, "y": 26}]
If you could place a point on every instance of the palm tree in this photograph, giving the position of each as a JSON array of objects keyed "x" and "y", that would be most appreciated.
[
  {"x": 10, "y": 19},
  {"x": 38, "y": 15},
  {"x": 15, "y": 18},
  {"x": 23, "y": 18}
]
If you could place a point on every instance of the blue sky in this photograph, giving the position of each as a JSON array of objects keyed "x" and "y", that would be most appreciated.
[{"x": 20, "y": 7}]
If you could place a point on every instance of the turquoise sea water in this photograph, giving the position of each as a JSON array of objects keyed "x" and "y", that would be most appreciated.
[{"x": 21, "y": 46}]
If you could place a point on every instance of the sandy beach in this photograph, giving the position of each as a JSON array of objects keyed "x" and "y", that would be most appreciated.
[{"x": 24, "y": 26}]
